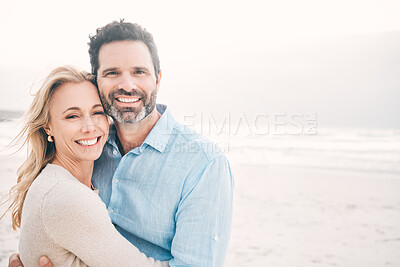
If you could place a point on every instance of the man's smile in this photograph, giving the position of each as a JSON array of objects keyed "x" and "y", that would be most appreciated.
[{"x": 124, "y": 99}]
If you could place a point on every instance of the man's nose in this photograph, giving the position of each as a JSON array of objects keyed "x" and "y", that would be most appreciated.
[{"x": 127, "y": 82}]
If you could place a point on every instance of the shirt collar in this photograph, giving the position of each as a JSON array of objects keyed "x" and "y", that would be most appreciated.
[{"x": 158, "y": 137}]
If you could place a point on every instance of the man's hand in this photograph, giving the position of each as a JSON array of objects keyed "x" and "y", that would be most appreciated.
[
  {"x": 15, "y": 261},
  {"x": 45, "y": 262}
]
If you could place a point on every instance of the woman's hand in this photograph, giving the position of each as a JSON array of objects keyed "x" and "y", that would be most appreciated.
[{"x": 15, "y": 261}]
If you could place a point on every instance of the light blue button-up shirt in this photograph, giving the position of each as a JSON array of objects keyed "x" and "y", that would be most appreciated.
[{"x": 172, "y": 196}]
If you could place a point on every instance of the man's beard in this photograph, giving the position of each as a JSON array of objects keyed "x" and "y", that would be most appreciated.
[{"x": 129, "y": 114}]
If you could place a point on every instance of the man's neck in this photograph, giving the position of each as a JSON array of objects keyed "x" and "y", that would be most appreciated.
[{"x": 131, "y": 135}]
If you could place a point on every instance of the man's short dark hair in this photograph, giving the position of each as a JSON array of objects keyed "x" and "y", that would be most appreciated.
[{"x": 121, "y": 31}]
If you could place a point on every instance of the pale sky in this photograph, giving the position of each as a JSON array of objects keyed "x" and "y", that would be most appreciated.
[{"x": 255, "y": 56}]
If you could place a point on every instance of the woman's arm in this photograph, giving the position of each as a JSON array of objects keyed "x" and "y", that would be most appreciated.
[{"x": 77, "y": 220}]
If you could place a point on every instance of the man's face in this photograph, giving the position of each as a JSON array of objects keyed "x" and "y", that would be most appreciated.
[{"x": 126, "y": 80}]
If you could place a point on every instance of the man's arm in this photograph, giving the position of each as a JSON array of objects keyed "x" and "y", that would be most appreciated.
[{"x": 204, "y": 218}]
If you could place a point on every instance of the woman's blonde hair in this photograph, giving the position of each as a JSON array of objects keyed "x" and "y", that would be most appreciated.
[{"x": 40, "y": 151}]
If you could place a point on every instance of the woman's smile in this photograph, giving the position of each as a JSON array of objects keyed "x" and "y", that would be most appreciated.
[{"x": 89, "y": 141}]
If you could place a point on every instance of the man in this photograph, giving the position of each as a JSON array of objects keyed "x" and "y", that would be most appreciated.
[{"x": 168, "y": 191}]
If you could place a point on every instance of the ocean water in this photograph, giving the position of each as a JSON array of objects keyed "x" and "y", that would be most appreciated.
[
  {"x": 8, "y": 131},
  {"x": 361, "y": 150}
]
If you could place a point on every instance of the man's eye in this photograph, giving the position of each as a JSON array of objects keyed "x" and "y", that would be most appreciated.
[
  {"x": 111, "y": 73},
  {"x": 139, "y": 72}
]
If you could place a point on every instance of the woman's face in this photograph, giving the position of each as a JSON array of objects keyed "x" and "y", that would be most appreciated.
[{"x": 77, "y": 123}]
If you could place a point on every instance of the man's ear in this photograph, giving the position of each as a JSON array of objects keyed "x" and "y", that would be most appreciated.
[{"x": 159, "y": 80}]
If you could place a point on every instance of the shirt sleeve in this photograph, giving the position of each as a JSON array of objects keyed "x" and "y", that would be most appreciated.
[
  {"x": 204, "y": 218},
  {"x": 77, "y": 220}
]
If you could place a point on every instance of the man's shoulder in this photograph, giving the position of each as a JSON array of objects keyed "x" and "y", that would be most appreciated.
[
  {"x": 199, "y": 157},
  {"x": 186, "y": 140}
]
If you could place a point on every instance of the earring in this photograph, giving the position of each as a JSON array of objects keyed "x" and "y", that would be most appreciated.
[{"x": 49, "y": 139}]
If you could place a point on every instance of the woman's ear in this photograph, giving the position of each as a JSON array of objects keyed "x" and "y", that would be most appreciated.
[{"x": 47, "y": 129}]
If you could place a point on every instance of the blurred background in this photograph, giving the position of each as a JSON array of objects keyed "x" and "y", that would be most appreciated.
[
  {"x": 302, "y": 96},
  {"x": 337, "y": 58}
]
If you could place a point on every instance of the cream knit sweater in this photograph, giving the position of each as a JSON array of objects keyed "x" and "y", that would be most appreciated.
[{"x": 66, "y": 221}]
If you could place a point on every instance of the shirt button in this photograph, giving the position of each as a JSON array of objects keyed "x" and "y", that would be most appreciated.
[
  {"x": 115, "y": 152},
  {"x": 111, "y": 211},
  {"x": 216, "y": 238},
  {"x": 116, "y": 181}
]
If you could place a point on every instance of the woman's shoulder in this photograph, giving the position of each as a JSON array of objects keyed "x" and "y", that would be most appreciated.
[
  {"x": 64, "y": 194},
  {"x": 48, "y": 179},
  {"x": 42, "y": 184},
  {"x": 56, "y": 182}
]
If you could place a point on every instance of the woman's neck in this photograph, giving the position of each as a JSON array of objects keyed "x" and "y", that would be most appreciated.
[{"x": 81, "y": 170}]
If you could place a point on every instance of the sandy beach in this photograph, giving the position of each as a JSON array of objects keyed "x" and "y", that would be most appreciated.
[
  {"x": 294, "y": 217},
  {"x": 298, "y": 217}
]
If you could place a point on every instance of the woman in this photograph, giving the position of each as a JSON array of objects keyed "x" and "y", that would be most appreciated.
[{"x": 54, "y": 204}]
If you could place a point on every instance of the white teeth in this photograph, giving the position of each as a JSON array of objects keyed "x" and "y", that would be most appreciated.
[
  {"x": 88, "y": 142},
  {"x": 128, "y": 100}
]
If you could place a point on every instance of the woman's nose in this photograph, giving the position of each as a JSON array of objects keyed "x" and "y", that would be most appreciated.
[{"x": 89, "y": 124}]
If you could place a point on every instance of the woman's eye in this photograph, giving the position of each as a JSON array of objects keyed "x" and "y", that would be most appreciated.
[
  {"x": 71, "y": 117},
  {"x": 99, "y": 113}
]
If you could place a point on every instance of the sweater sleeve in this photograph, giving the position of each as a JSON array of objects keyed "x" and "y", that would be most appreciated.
[{"x": 77, "y": 220}]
